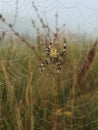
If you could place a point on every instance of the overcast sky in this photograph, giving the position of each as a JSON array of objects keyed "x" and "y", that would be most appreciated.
[{"x": 78, "y": 15}]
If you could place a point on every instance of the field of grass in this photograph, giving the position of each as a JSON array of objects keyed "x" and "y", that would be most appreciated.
[{"x": 30, "y": 100}]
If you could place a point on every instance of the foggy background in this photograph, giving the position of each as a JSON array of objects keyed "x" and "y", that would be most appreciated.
[{"x": 80, "y": 16}]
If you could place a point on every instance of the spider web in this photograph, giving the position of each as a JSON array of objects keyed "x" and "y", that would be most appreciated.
[{"x": 52, "y": 104}]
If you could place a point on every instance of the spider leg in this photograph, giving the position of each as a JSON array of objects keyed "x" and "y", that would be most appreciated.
[
  {"x": 64, "y": 49},
  {"x": 47, "y": 49},
  {"x": 43, "y": 65},
  {"x": 59, "y": 66}
]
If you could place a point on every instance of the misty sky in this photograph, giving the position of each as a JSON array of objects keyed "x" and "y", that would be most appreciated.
[{"x": 78, "y": 15}]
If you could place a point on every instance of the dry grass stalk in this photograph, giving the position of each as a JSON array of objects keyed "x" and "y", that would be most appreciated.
[
  {"x": 73, "y": 90},
  {"x": 39, "y": 17},
  {"x": 29, "y": 99},
  {"x": 11, "y": 99},
  {"x": 28, "y": 91},
  {"x": 74, "y": 83},
  {"x": 45, "y": 27},
  {"x": 16, "y": 33},
  {"x": 37, "y": 31},
  {"x": 28, "y": 94},
  {"x": 56, "y": 123},
  {"x": 88, "y": 62},
  {"x": 10, "y": 87},
  {"x": 18, "y": 119}
]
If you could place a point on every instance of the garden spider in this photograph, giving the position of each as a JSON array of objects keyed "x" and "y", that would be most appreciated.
[{"x": 53, "y": 56}]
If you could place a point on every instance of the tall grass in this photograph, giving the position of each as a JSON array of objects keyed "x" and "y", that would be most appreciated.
[{"x": 30, "y": 100}]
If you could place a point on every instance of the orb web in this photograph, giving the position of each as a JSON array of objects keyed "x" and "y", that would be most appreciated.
[{"x": 45, "y": 101}]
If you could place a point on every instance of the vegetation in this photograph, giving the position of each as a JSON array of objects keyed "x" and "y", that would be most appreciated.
[{"x": 30, "y": 100}]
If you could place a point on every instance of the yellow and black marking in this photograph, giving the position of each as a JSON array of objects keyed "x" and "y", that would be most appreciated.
[
  {"x": 53, "y": 52},
  {"x": 53, "y": 56}
]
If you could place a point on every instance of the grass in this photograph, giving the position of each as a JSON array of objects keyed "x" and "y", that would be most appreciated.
[{"x": 31, "y": 101}]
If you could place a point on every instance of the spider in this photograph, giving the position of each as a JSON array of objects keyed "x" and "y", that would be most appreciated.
[{"x": 53, "y": 56}]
